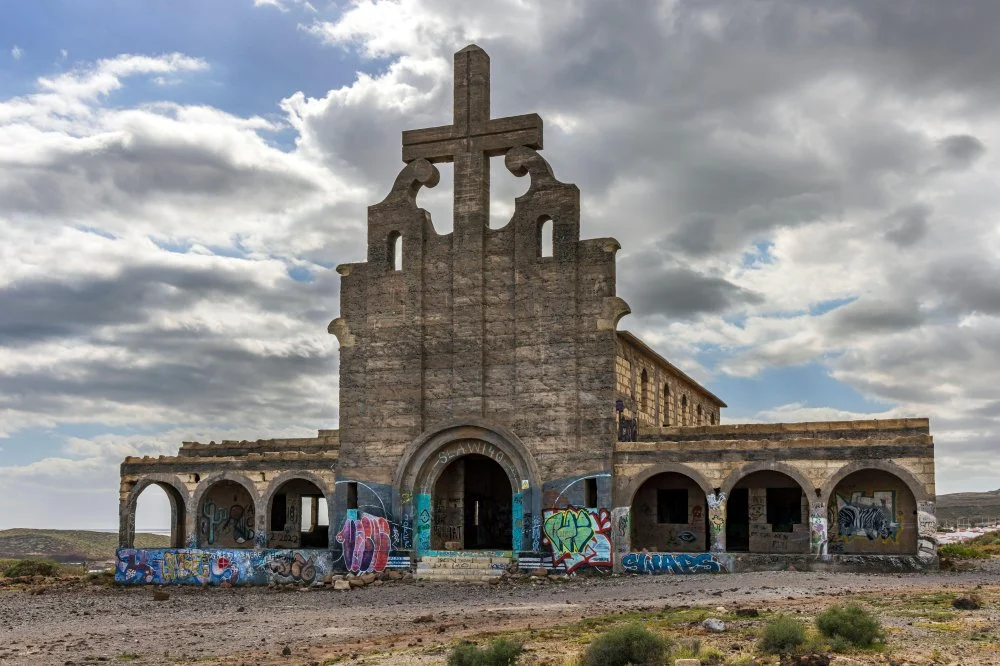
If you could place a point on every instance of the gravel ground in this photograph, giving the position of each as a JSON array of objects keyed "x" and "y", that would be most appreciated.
[{"x": 87, "y": 624}]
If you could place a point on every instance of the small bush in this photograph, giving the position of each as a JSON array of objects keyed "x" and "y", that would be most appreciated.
[
  {"x": 782, "y": 635},
  {"x": 971, "y": 601},
  {"x": 850, "y": 625},
  {"x": 631, "y": 644},
  {"x": 30, "y": 567},
  {"x": 963, "y": 551},
  {"x": 500, "y": 652}
]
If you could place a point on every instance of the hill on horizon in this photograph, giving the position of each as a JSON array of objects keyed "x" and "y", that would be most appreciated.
[
  {"x": 69, "y": 545},
  {"x": 971, "y": 507}
]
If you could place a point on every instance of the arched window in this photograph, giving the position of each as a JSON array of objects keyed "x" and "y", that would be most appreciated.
[
  {"x": 711, "y": 418},
  {"x": 394, "y": 251},
  {"x": 684, "y": 410},
  {"x": 544, "y": 237},
  {"x": 644, "y": 392},
  {"x": 698, "y": 412},
  {"x": 666, "y": 405}
]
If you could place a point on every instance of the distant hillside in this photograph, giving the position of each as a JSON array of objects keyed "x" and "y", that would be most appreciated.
[
  {"x": 970, "y": 508},
  {"x": 69, "y": 545}
]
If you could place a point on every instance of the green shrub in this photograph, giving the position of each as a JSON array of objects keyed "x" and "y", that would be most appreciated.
[
  {"x": 782, "y": 635},
  {"x": 963, "y": 551},
  {"x": 850, "y": 624},
  {"x": 29, "y": 567},
  {"x": 631, "y": 644},
  {"x": 500, "y": 652}
]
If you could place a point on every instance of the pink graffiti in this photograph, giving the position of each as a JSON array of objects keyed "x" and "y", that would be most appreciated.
[{"x": 366, "y": 543}]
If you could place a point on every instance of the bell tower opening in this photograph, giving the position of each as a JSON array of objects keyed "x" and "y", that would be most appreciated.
[{"x": 473, "y": 505}]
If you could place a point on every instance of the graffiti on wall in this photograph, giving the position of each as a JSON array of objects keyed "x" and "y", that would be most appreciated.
[
  {"x": 366, "y": 540},
  {"x": 671, "y": 563},
  {"x": 622, "y": 520},
  {"x": 817, "y": 528},
  {"x": 873, "y": 517},
  {"x": 578, "y": 537},
  {"x": 235, "y": 521},
  {"x": 423, "y": 517},
  {"x": 517, "y": 532},
  {"x": 182, "y": 566},
  {"x": 717, "y": 520}
]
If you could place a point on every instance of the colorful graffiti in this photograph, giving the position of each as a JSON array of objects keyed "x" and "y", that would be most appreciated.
[
  {"x": 291, "y": 567},
  {"x": 517, "y": 532},
  {"x": 717, "y": 520},
  {"x": 578, "y": 537},
  {"x": 671, "y": 563},
  {"x": 367, "y": 541},
  {"x": 622, "y": 518},
  {"x": 235, "y": 521},
  {"x": 423, "y": 511},
  {"x": 817, "y": 528},
  {"x": 182, "y": 566},
  {"x": 867, "y": 516}
]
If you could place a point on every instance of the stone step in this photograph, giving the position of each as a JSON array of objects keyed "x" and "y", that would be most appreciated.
[
  {"x": 424, "y": 564},
  {"x": 458, "y": 578},
  {"x": 468, "y": 561},
  {"x": 479, "y": 571}
]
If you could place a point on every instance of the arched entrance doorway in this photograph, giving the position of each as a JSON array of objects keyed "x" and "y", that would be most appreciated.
[
  {"x": 298, "y": 516},
  {"x": 138, "y": 508},
  {"x": 472, "y": 506},
  {"x": 767, "y": 512},
  {"x": 872, "y": 511},
  {"x": 670, "y": 514},
  {"x": 226, "y": 516},
  {"x": 474, "y": 461}
]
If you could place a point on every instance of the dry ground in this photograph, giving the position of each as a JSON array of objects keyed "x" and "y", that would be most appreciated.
[{"x": 415, "y": 623}]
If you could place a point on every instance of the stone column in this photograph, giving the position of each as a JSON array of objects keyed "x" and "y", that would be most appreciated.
[
  {"x": 126, "y": 524},
  {"x": 927, "y": 534},
  {"x": 717, "y": 520},
  {"x": 818, "y": 526}
]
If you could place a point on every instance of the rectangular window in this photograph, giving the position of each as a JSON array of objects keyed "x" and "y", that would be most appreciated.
[
  {"x": 784, "y": 508},
  {"x": 590, "y": 493},
  {"x": 672, "y": 506},
  {"x": 352, "y": 495}
]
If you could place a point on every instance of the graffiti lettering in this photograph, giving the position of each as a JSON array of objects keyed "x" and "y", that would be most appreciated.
[
  {"x": 717, "y": 520},
  {"x": 671, "y": 563},
  {"x": 236, "y": 521},
  {"x": 578, "y": 537},
  {"x": 216, "y": 566},
  {"x": 367, "y": 542},
  {"x": 292, "y": 568}
]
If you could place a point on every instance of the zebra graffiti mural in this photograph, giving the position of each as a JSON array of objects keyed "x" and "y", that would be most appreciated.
[{"x": 872, "y": 516}]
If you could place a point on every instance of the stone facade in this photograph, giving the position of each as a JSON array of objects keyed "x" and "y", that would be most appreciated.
[{"x": 492, "y": 413}]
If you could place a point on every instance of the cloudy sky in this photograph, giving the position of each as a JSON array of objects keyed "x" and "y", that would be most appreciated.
[{"x": 805, "y": 194}]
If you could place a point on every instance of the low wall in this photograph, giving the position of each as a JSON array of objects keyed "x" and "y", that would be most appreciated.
[
  {"x": 692, "y": 563},
  {"x": 191, "y": 566}
]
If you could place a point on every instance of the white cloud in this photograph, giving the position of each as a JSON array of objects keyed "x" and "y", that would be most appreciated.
[{"x": 16, "y": 52}]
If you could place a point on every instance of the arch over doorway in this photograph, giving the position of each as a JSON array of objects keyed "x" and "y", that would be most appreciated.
[
  {"x": 297, "y": 511},
  {"x": 767, "y": 511},
  {"x": 872, "y": 511},
  {"x": 226, "y": 506},
  {"x": 669, "y": 512},
  {"x": 176, "y": 493},
  {"x": 428, "y": 460}
]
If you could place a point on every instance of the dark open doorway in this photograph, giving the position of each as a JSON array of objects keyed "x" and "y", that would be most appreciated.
[
  {"x": 738, "y": 521},
  {"x": 472, "y": 506}
]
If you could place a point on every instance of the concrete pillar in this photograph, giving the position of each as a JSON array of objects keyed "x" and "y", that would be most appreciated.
[
  {"x": 818, "y": 526},
  {"x": 126, "y": 524},
  {"x": 717, "y": 520},
  {"x": 927, "y": 533}
]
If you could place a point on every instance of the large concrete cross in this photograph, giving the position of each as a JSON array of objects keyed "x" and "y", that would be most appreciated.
[{"x": 472, "y": 139}]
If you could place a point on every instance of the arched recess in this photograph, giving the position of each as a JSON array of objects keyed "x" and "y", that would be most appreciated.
[
  {"x": 918, "y": 489},
  {"x": 872, "y": 511},
  {"x": 767, "y": 509},
  {"x": 176, "y": 493},
  {"x": 297, "y": 511},
  {"x": 228, "y": 508},
  {"x": 669, "y": 511},
  {"x": 427, "y": 458}
]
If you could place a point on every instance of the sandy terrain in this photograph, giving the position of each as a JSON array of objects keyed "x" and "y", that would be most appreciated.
[{"x": 390, "y": 624}]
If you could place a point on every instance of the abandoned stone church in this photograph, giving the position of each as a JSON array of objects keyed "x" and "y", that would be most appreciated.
[{"x": 493, "y": 415}]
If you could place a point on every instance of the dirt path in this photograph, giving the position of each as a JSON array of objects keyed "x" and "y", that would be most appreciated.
[{"x": 396, "y": 623}]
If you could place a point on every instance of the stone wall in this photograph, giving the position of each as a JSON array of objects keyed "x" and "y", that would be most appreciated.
[{"x": 658, "y": 393}]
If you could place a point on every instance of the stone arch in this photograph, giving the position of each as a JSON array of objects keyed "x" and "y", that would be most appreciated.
[
  {"x": 874, "y": 508},
  {"x": 177, "y": 494},
  {"x": 768, "y": 516},
  {"x": 916, "y": 487},
  {"x": 267, "y": 499},
  {"x": 627, "y": 494},
  {"x": 427, "y": 457},
  {"x": 198, "y": 497},
  {"x": 738, "y": 474},
  {"x": 681, "y": 523}
]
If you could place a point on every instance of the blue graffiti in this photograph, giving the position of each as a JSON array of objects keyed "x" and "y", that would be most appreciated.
[
  {"x": 192, "y": 566},
  {"x": 671, "y": 563}
]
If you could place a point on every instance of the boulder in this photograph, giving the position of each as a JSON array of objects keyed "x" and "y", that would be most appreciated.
[
  {"x": 341, "y": 584},
  {"x": 714, "y": 625}
]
